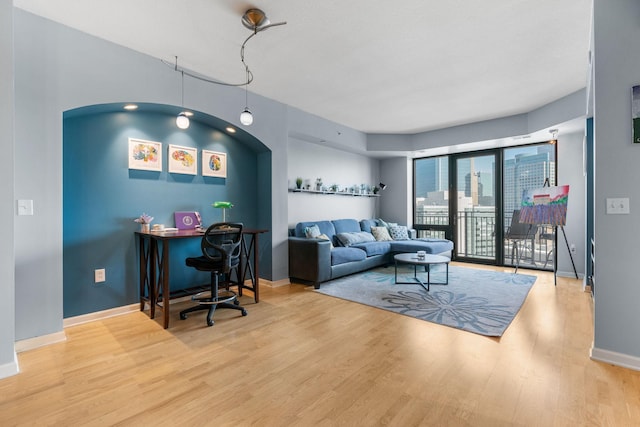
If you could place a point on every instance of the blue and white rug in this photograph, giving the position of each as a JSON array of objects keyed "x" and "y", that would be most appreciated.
[{"x": 481, "y": 301}]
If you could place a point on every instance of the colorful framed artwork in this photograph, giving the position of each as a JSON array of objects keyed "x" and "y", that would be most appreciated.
[
  {"x": 635, "y": 113},
  {"x": 214, "y": 164},
  {"x": 183, "y": 160},
  {"x": 546, "y": 205},
  {"x": 145, "y": 155}
]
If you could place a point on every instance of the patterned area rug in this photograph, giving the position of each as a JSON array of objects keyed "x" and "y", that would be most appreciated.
[{"x": 480, "y": 301}]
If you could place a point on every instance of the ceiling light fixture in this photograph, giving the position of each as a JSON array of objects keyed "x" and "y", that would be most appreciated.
[
  {"x": 182, "y": 121},
  {"x": 256, "y": 21},
  {"x": 554, "y": 136},
  {"x": 246, "y": 118}
]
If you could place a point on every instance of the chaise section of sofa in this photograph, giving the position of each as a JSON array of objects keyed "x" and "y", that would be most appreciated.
[{"x": 347, "y": 246}]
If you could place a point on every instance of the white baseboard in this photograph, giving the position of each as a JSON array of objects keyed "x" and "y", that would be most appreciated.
[
  {"x": 41, "y": 341},
  {"x": 618, "y": 359},
  {"x": 10, "y": 369},
  {"x": 98, "y": 315}
]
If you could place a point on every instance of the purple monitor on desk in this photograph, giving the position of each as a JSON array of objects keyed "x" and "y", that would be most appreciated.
[{"x": 187, "y": 220}]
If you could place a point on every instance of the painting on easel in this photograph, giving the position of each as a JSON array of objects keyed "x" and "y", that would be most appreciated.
[{"x": 546, "y": 205}]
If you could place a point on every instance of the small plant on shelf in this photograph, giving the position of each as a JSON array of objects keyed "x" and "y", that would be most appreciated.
[
  {"x": 298, "y": 183},
  {"x": 333, "y": 188}
]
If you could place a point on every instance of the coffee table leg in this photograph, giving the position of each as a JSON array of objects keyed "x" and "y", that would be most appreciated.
[{"x": 415, "y": 277}]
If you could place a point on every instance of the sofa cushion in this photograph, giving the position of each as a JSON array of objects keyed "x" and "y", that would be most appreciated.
[
  {"x": 346, "y": 226},
  {"x": 368, "y": 224},
  {"x": 430, "y": 246},
  {"x": 348, "y": 239},
  {"x": 326, "y": 227},
  {"x": 344, "y": 255},
  {"x": 384, "y": 223},
  {"x": 399, "y": 232},
  {"x": 374, "y": 248},
  {"x": 381, "y": 234}
]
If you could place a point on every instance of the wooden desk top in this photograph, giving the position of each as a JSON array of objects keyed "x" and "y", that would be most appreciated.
[{"x": 182, "y": 234}]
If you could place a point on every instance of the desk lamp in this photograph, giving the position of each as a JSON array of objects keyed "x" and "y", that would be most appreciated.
[{"x": 224, "y": 206}]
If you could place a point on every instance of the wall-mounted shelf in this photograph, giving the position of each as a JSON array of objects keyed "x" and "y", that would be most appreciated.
[{"x": 331, "y": 193}]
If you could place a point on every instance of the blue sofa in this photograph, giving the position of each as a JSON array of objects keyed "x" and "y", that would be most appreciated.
[{"x": 318, "y": 260}]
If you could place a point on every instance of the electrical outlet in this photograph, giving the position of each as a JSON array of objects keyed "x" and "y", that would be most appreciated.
[{"x": 100, "y": 275}]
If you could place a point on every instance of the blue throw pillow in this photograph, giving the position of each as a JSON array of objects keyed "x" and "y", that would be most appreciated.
[
  {"x": 348, "y": 239},
  {"x": 399, "y": 232},
  {"x": 312, "y": 231}
]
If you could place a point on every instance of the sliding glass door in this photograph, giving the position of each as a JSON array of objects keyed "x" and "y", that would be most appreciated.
[
  {"x": 475, "y": 207},
  {"x": 526, "y": 168},
  {"x": 473, "y": 199}
]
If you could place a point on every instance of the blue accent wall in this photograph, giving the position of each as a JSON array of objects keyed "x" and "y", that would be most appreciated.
[{"x": 101, "y": 198}]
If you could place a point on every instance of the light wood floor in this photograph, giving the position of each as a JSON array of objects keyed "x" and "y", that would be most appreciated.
[{"x": 301, "y": 358}]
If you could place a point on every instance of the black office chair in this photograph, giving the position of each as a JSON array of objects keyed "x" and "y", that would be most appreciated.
[{"x": 220, "y": 256}]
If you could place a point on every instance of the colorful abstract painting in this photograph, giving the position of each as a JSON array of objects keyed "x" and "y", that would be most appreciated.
[
  {"x": 546, "y": 205},
  {"x": 183, "y": 160},
  {"x": 214, "y": 164},
  {"x": 145, "y": 155}
]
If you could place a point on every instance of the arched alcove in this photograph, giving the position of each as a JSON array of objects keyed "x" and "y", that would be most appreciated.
[{"x": 102, "y": 196}]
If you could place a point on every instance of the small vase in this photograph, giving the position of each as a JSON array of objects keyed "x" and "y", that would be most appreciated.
[{"x": 144, "y": 228}]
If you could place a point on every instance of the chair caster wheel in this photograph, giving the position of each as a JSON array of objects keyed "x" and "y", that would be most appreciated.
[
  {"x": 236, "y": 301},
  {"x": 209, "y": 322},
  {"x": 183, "y": 316},
  {"x": 244, "y": 312}
]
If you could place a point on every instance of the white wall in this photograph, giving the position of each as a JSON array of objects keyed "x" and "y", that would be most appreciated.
[
  {"x": 616, "y": 69},
  {"x": 571, "y": 172},
  {"x": 310, "y": 161}
]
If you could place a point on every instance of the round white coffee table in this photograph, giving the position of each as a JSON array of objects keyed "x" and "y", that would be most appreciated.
[{"x": 426, "y": 262}]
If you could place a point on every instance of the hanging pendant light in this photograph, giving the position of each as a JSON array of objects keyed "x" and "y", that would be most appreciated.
[
  {"x": 246, "y": 118},
  {"x": 182, "y": 121},
  {"x": 254, "y": 20}
]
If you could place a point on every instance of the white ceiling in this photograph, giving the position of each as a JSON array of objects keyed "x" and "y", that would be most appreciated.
[{"x": 376, "y": 66}]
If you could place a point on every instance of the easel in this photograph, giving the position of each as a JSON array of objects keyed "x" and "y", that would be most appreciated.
[{"x": 555, "y": 247}]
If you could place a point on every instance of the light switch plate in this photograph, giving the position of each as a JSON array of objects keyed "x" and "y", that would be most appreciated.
[{"x": 618, "y": 206}]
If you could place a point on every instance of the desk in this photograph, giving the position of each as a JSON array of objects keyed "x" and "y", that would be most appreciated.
[{"x": 154, "y": 250}]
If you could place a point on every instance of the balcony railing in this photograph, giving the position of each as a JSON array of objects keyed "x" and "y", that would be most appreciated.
[{"x": 476, "y": 239}]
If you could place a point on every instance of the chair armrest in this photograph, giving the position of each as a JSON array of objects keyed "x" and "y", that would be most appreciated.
[{"x": 310, "y": 259}]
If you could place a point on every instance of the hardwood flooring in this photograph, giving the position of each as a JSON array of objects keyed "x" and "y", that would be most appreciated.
[{"x": 304, "y": 359}]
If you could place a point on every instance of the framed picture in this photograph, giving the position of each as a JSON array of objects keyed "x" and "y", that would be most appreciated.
[
  {"x": 635, "y": 113},
  {"x": 214, "y": 163},
  {"x": 145, "y": 155},
  {"x": 183, "y": 160}
]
